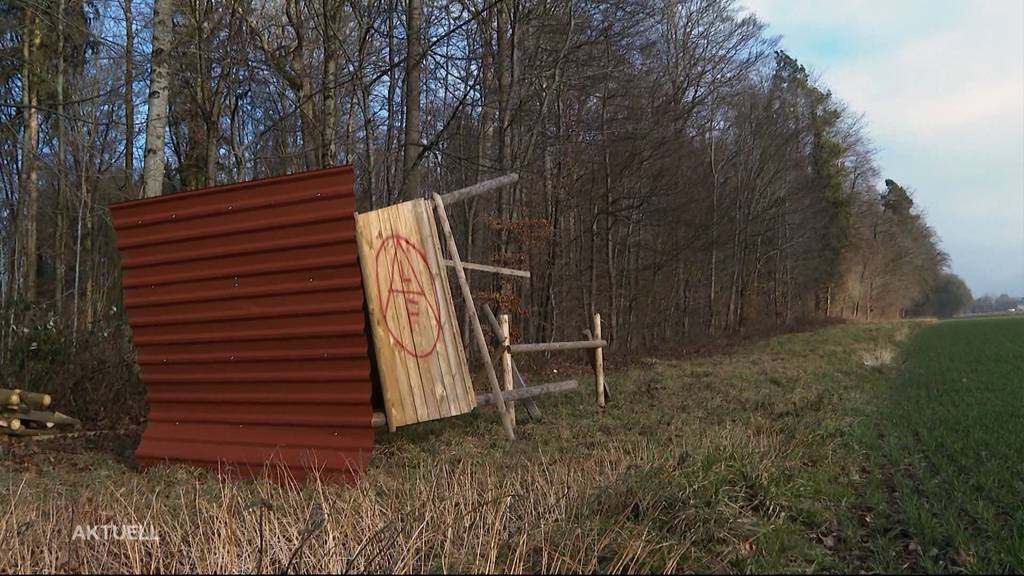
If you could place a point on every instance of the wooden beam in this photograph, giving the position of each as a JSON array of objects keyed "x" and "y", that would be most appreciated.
[
  {"x": 526, "y": 394},
  {"x": 9, "y": 397},
  {"x": 556, "y": 346},
  {"x": 531, "y": 407},
  {"x": 55, "y": 418},
  {"x": 491, "y": 269},
  {"x": 598, "y": 362},
  {"x": 34, "y": 400},
  {"x": 10, "y": 424},
  {"x": 478, "y": 332},
  {"x": 479, "y": 188},
  {"x": 506, "y": 361},
  {"x": 593, "y": 365},
  {"x": 53, "y": 434},
  {"x": 529, "y": 392}
]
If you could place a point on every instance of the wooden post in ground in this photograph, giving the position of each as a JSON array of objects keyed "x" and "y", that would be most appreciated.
[
  {"x": 531, "y": 407},
  {"x": 506, "y": 362},
  {"x": 598, "y": 362},
  {"x": 478, "y": 332}
]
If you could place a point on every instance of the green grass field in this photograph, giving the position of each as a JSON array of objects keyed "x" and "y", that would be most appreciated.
[
  {"x": 953, "y": 430},
  {"x": 861, "y": 447}
]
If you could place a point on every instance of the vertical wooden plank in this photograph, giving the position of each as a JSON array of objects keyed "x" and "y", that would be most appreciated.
[
  {"x": 478, "y": 332},
  {"x": 461, "y": 385},
  {"x": 598, "y": 362},
  {"x": 445, "y": 386},
  {"x": 506, "y": 362},
  {"x": 398, "y": 371},
  {"x": 421, "y": 326},
  {"x": 397, "y": 316},
  {"x": 369, "y": 235},
  {"x": 402, "y": 375},
  {"x": 398, "y": 361}
]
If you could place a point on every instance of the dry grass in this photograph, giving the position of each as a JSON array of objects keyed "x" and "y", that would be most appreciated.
[
  {"x": 453, "y": 517},
  {"x": 878, "y": 357},
  {"x": 737, "y": 462}
]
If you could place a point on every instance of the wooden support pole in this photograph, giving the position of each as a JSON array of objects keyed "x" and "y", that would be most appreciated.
[
  {"x": 478, "y": 332},
  {"x": 491, "y": 269},
  {"x": 524, "y": 394},
  {"x": 531, "y": 407},
  {"x": 479, "y": 188},
  {"x": 593, "y": 366},
  {"x": 599, "y": 361},
  {"x": 556, "y": 346},
  {"x": 529, "y": 392},
  {"x": 506, "y": 362}
]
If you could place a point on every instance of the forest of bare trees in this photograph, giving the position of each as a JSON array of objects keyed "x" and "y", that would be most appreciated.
[{"x": 680, "y": 172}]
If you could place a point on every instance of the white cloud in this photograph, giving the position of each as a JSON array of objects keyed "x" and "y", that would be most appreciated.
[
  {"x": 942, "y": 80},
  {"x": 942, "y": 89}
]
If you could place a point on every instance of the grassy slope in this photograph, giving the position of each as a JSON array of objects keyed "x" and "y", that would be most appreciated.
[
  {"x": 954, "y": 432},
  {"x": 763, "y": 459}
]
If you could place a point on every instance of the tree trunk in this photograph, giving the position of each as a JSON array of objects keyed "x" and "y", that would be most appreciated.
[
  {"x": 502, "y": 61},
  {"x": 29, "y": 190},
  {"x": 302, "y": 85},
  {"x": 60, "y": 226},
  {"x": 609, "y": 221},
  {"x": 712, "y": 321},
  {"x": 369, "y": 135},
  {"x": 156, "y": 117},
  {"x": 329, "y": 151},
  {"x": 129, "y": 100},
  {"x": 411, "y": 180},
  {"x": 389, "y": 129}
]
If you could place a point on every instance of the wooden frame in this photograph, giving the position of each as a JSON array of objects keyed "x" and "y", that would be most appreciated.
[
  {"x": 512, "y": 387},
  {"x": 517, "y": 379},
  {"x": 506, "y": 418},
  {"x": 510, "y": 374}
]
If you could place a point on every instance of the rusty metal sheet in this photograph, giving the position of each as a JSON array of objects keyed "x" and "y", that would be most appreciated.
[
  {"x": 422, "y": 364},
  {"x": 246, "y": 307}
]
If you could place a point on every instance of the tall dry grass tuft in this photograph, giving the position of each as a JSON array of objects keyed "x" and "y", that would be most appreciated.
[{"x": 450, "y": 517}]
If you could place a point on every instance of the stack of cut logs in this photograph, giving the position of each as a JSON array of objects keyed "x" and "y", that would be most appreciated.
[{"x": 27, "y": 414}]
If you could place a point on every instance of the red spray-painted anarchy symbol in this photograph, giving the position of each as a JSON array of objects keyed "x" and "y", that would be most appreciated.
[{"x": 400, "y": 262}]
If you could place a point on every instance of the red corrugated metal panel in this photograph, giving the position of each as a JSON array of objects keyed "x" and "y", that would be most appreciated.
[{"x": 246, "y": 304}]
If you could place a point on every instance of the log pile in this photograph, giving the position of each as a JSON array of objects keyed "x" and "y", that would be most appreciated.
[{"x": 27, "y": 414}]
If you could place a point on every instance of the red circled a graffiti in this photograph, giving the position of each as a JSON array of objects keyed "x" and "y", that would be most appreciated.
[{"x": 406, "y": 295}]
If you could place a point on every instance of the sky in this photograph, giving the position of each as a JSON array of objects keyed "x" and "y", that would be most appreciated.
[{"x": 941, "y": 86}]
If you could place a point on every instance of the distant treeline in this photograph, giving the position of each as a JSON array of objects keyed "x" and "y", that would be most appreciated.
[
  {"x": 680, "y": 173},
  {"x": 988, "y": 304}
]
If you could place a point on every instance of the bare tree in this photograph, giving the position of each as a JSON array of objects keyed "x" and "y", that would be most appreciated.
[
  {"x": 411, "y": 149},
  {"x": 29, "y": 191},
  {"x": 154, "y": 158}
]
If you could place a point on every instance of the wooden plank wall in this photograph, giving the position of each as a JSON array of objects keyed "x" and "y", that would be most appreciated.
[{"x": 420, "y": 357}]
